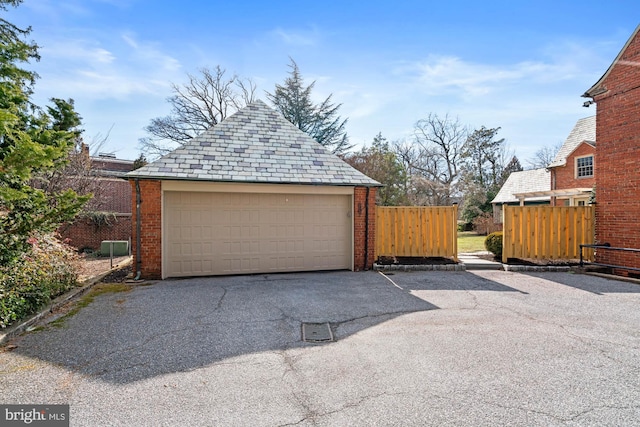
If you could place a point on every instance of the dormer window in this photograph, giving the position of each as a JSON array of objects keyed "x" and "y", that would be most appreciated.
[{"x": 584, "y": 167}]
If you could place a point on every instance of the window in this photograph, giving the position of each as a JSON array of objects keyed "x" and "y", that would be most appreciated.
[{"x": 584, "y": 167}]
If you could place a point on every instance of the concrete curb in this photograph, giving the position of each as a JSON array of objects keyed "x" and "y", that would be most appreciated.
[
  {"x": 425, "y": 267},
  {"x": 539, "y": 268},
  {"x": 77, "y": 292},
  {"x": 463, "y": 267}
]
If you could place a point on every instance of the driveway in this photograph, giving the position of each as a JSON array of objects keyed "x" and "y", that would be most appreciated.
[{"x": 422, "y": 348}]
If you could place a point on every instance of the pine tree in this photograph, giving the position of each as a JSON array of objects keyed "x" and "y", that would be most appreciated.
[
  {"x": 31, "y": 142},
  {"x": 320, "y": 121}
]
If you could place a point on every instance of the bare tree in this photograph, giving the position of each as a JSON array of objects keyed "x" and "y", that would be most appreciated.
[
  {"x": 432, "y": 159},
  {"x": 204, "y": 101},
  {"x": 544, "y": 156}
]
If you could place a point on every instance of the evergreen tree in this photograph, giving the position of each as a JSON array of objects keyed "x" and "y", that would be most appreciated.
[
  {"x": 320, "y": 121},
  {"x": 31, "y": 142},
  {"x": 380, "y": 163}
]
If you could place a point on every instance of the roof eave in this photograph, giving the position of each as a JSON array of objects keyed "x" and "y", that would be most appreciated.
[
  {"x": 312, "y": 183},
  {"x": 598, "y": 88}
]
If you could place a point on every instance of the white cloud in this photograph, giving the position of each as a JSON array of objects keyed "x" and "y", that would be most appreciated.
[
  {"x": 83, "y": 69},
  {"x": 297, "y": 37},
  {"x": 78, "y": 51},
  {"x": 438, "y": 75}
]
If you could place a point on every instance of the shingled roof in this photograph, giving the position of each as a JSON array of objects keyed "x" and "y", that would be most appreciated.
[
  {"x": 583, "y": 131},
  {"x": 254, "y": 145},
  {"x": 524, "y": 182}
]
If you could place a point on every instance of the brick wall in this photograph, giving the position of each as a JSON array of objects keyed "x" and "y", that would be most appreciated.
[
  {"x": 111, "y": 195},
  {"x": 151, "y": 228},
  {"x": 618, "y": 159},
  {"x": 565, "y": 176},
  {"x": 83, "y": 233},
  {"x": 360, "y": 230}
]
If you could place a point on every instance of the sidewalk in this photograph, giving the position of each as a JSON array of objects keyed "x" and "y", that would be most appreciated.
[{"x": 472, "y": 261}]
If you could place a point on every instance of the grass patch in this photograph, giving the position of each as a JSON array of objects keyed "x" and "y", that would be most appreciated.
[
  {"x": 101, "y": 289},
  {"x": 469, "y": 241}
]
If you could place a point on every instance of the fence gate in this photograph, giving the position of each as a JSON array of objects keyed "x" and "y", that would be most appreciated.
[
  {"x": 417, "y": 231},
  {"x": 547, "y": 232}
]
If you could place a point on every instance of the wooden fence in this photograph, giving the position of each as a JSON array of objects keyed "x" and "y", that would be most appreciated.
[
  {"x": 547, "y": 232},
  {"x": 417, "y": 231}
]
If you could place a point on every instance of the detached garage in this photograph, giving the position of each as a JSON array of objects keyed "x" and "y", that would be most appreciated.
[{"x": 253, "y": 194}]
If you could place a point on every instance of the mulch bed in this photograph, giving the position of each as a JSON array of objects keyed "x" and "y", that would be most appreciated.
[
  {"x": 119, "y": 275},
  {"x": 386, "y": 260},
  {"x": 542, "y": 262},
  {"x": 444, "y": 261}
]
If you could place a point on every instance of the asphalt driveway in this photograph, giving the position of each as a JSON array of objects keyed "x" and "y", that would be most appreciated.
[{"x": 420, "y": 348}]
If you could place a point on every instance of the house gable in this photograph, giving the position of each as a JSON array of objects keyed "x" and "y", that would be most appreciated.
[
  {"x": 566, "y": 176},
  {"x": 583, "y": 131},
  {"x": 620, "y": 72}
]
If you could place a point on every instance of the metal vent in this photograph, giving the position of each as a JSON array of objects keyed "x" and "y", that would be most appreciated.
[{"x": 316, "y": 332}]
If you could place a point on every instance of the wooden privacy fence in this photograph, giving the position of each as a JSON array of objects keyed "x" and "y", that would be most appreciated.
[
  {"x": 417, "y": 231},
  {"x": 547, "y": 232}
]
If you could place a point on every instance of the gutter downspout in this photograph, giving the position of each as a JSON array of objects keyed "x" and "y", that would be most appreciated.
[
  {"x": 366, "y": 231},
  {"x": 138, "y": 226}
]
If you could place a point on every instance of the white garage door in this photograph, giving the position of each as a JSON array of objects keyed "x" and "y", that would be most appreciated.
[{"x": 238, "y": 233}]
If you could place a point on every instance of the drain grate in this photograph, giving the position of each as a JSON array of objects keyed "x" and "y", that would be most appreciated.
[{"x": 316, "y": 332}]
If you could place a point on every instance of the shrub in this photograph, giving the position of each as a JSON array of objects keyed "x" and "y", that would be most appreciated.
[
  {"x": 493, "y": 243},
  {"x": 46, "y": 271},
  {"x": 485, "y": 224},
  {"x": 465, "y": 226}
]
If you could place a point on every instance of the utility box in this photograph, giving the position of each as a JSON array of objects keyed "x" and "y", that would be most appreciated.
[{"x": 120, "y": 247}]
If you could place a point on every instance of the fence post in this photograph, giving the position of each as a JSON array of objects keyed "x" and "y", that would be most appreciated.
[
  {"x": 505, "y": 232},
  {"x": 455, "y": 232}
]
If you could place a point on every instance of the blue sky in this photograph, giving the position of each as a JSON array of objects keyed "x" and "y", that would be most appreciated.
[{"x": 521, "y": 66}]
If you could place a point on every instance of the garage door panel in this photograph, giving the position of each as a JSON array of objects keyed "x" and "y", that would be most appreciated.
[{"x": 227, "y": 233}]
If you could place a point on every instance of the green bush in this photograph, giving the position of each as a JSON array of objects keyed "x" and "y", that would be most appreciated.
[
  {"x": 493, "y": 243},
  {"x": 43, "y": 273},
  {"x": 465, "y": 226}
]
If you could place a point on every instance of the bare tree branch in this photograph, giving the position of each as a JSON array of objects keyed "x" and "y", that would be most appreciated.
[
  {"x": 432, "y": 159},
  {"x": 204, "y": 101},
  {"x": 544, "y": 156}
]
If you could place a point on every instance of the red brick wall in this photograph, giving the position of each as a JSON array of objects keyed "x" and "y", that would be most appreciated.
[
  {"x": 111, "y": 195},
  {"x": 360, "y": 229},
  {"x": 565, "y": 176},
  {"x": 618, "y": 160},
  {"x": 83, "y": 233},
  {"x": 151, "y": 228}
]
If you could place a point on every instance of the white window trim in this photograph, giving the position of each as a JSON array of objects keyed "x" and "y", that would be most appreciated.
[{"x": 593, "y": 166}]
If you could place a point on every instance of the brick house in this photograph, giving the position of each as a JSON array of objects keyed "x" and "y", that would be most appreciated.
[
  {"x": 112, "y": 195},
  {"x": 567, "y": 181},
  {"x": 617, "y": 159},
  {"x": 253, "y": 194},
  {"x": 573, "y": 169}
]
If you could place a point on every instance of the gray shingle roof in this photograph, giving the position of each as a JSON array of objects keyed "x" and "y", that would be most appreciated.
[
  {"x": 583, "y": 131},
  {"x": 524, "y": 182},
  {"x": 254, "y": 145}
]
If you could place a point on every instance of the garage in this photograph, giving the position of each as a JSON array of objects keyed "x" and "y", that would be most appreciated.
[
  {"x": 219, "y": 233},
  {"x": 252, "y": 194}
]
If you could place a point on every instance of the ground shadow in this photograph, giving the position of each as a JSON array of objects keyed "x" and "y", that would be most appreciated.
[
  {"x": 595, "y": 284},
  {"x": 448, "y": 281},
  {"x": 181, "y": 325}
]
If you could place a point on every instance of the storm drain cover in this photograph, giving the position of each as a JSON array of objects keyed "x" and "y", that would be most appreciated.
[{"x": 316, "y": 332}]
